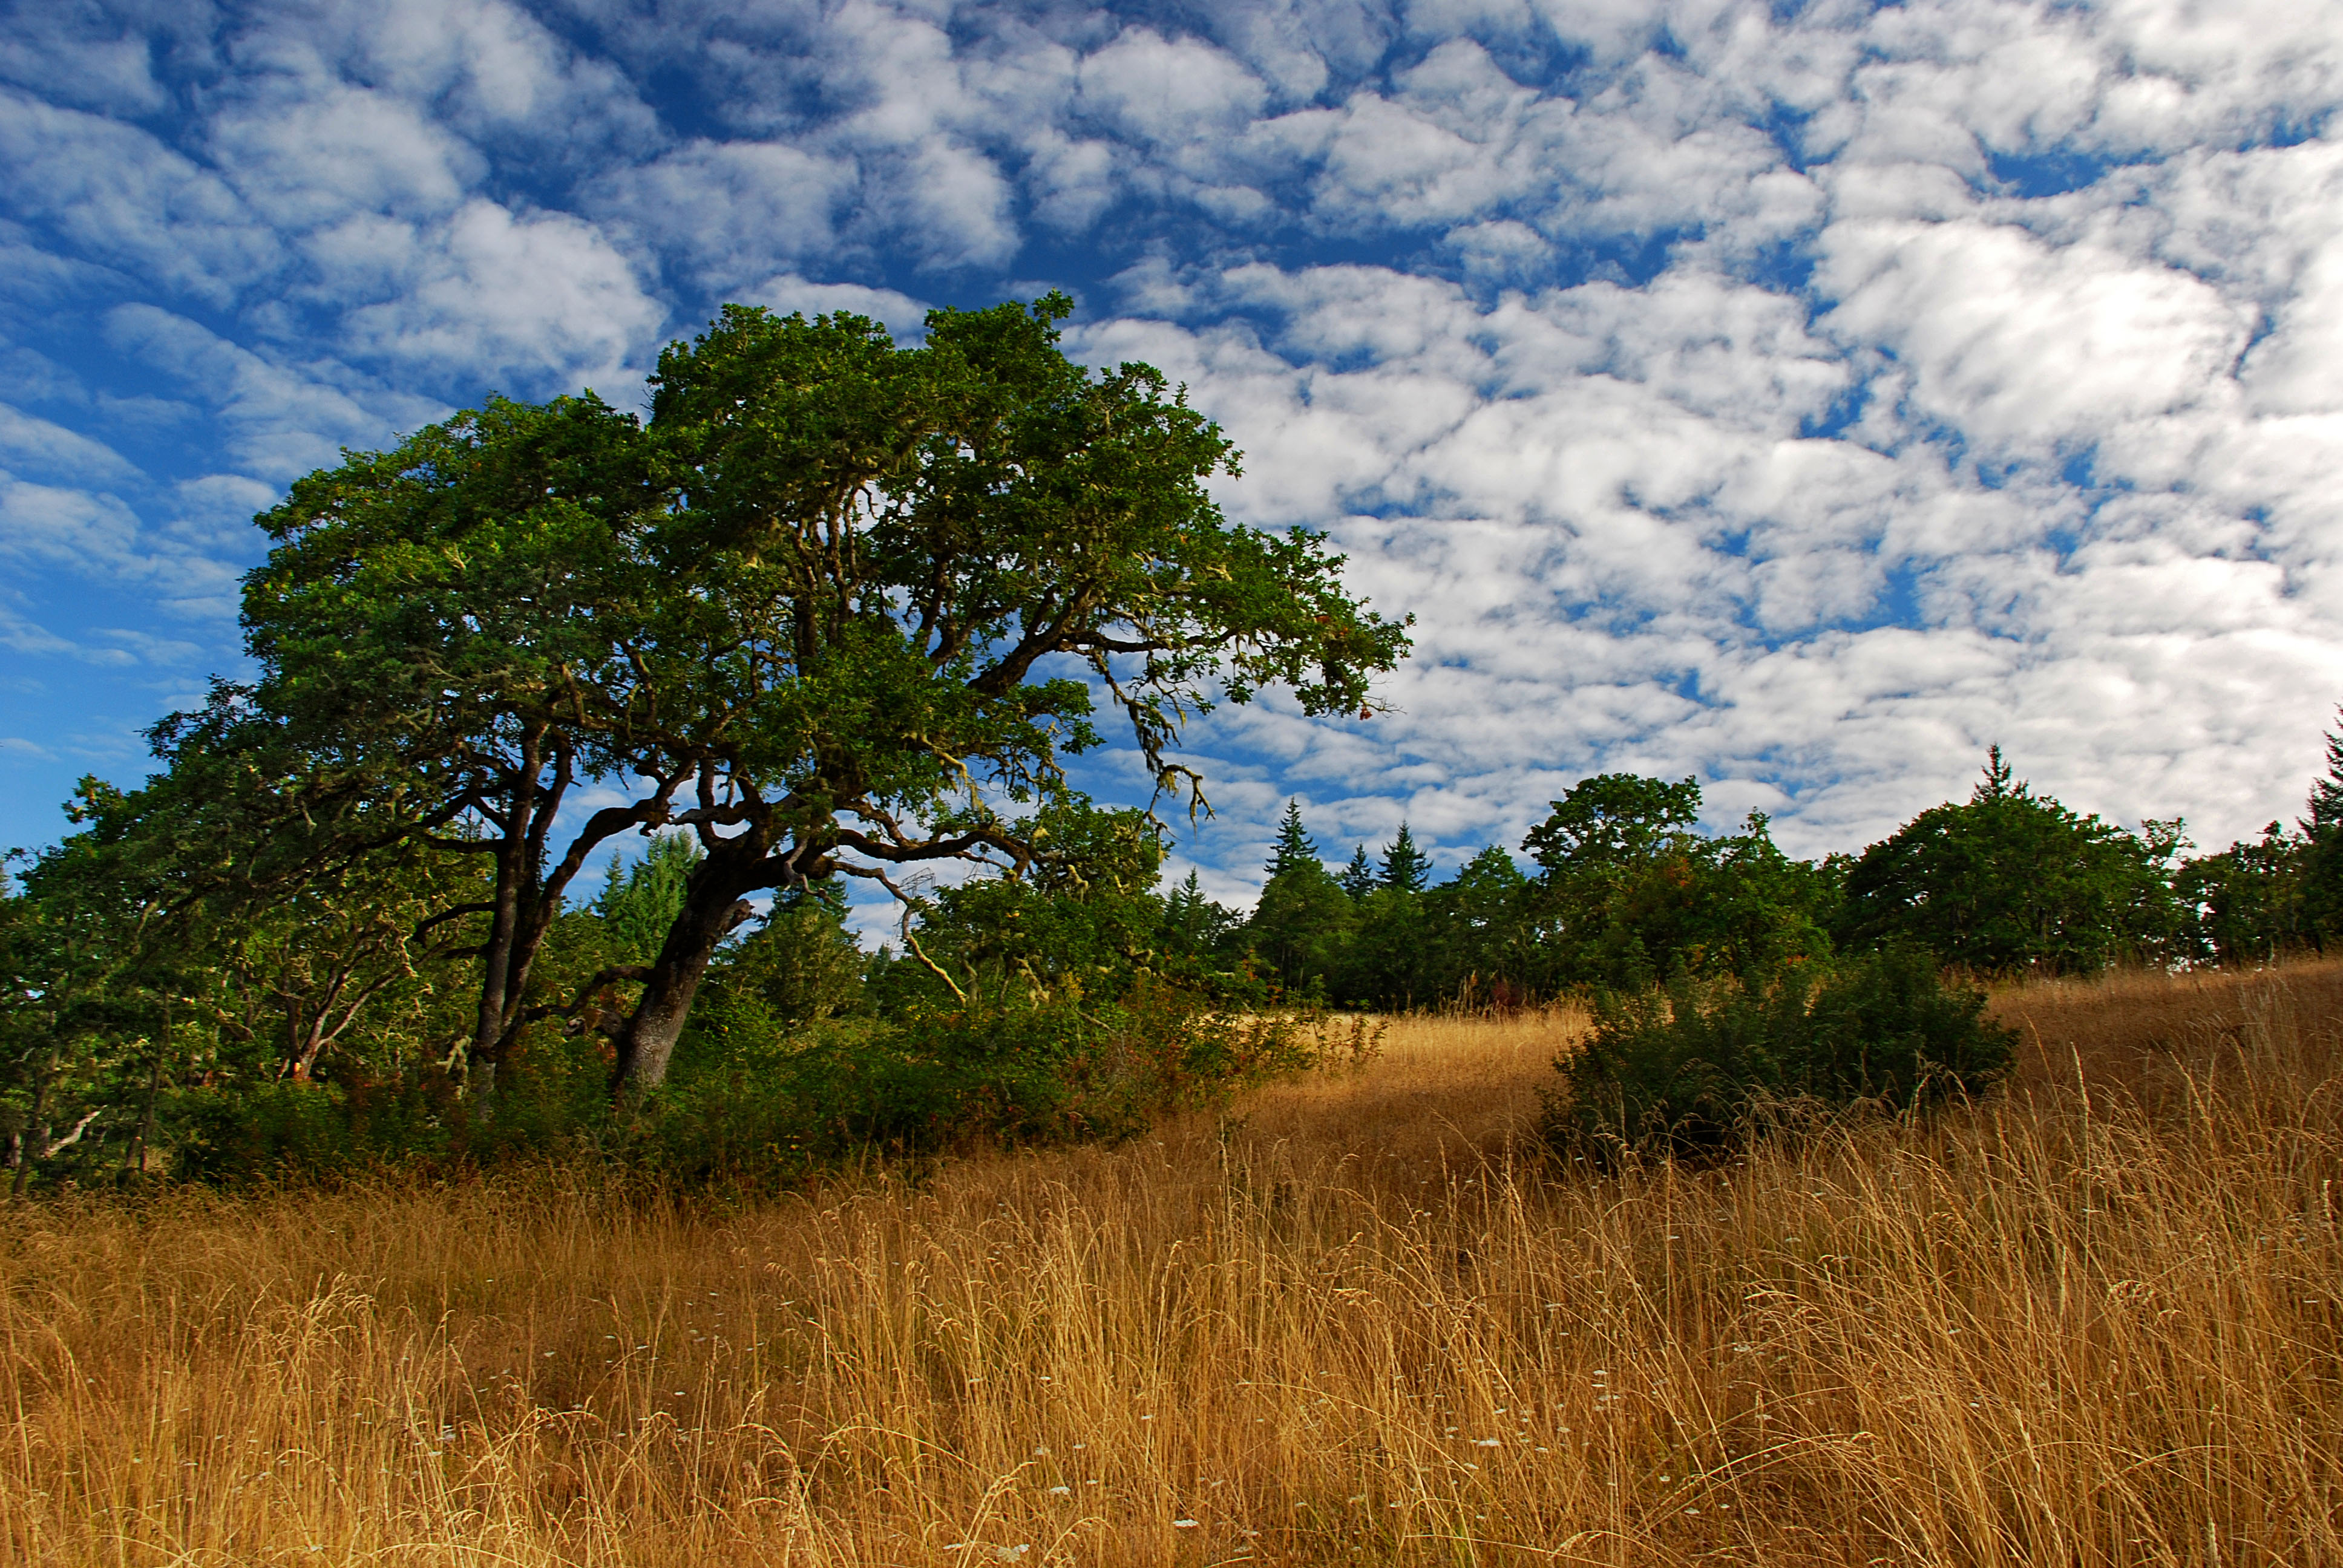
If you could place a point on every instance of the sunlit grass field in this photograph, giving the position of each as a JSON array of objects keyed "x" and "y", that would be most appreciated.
[{"x": 1349, "y": 1320}]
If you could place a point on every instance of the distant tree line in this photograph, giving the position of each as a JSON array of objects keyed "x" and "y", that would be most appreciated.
[
  {"x": 328, "y": 1020},
  {"x": 1623, "y": 892}
]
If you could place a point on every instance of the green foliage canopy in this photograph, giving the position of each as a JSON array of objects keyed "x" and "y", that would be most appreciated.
[
  {"x": 832, "y": 611},
  {"x": 1630, "y": 894},
  {"x": 2011, "y": 881}
]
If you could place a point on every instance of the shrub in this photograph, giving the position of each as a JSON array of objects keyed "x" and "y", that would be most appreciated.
[
  {"x": 1696, "y": 1067},
  {"x": 755, "y": 1093},
  {"x": 550, "y": 1096},
  {"x": 258, "y": 1131}
]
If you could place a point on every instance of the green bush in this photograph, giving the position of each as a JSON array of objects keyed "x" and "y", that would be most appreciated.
[
  {"x": 270, "y": 1130},
  {"x": 1697, "y": 1067},
  {"x": 762, "y": 1093},
  {"x": 754, "y": 1092}
]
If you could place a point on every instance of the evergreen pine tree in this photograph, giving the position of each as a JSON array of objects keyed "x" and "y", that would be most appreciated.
[
  {"x": 1294, "y": 846},
  {"x": 1406, "y": 868},
  {"x": 1302, "y": 921},
  {"x": 2327, "y": 794},
  {"x": 1183, "y": 911},
  {"x": 1358, "y": 877},
  {"x": 1996, "y": 784},
  {"x": 1186, "y": 896},
  {"x": 639, "y": 906},
  {"x": 2320, "y": 877},
  {"x": 1194, "y": 924}
]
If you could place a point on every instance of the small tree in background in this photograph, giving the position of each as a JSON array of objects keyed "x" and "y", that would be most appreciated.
[
  {"x": 2011, "y": 881},
  {"x": 1198, "y": 929},
  {"x": 1302, "y": 926},
  {"x": 2321, "y": 854},
  {"x": 1294, "y": 848},
  {"x": 2324, "y": 806},
  {"x": 1630, "y": 894},
  {"x": 1485, "y": 918},
  {"x": 2247, "y": 903},
  {"x": 1405, "y": 868},
  {"x": 638, "y": 903}
]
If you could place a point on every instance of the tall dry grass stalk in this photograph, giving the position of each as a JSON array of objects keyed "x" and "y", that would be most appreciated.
[{"x": 2090, "y": 1321}]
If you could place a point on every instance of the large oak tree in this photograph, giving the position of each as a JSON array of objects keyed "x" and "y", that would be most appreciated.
[{"x": 841, "y": 607}]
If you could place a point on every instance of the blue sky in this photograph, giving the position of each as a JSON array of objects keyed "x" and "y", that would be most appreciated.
[{"x": 1804, "y": 396}]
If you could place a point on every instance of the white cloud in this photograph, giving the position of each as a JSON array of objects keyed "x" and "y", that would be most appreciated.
[
  {"x": 317, "y": 155},
  {"x": 950, "y": 203},
  {"x": 2022, "y": 346},
  {"x": 95, "y": 536},
  {"x": 732, "y": 209},
  {"x": 1501, "y": 249},
  {"x": 1638, "y": 518},
  {"x": 789, "y": 294},
  {"x": 18, "y": 635},
  {"x": 29, "y": 442},
  {"x": 1714, "y": 380},
  {"x": 212, "y": 515},
  {"x": 59, "y": 525},
  {"x": 2293, "y": 371},
  {"x": 78, "y": 55},
  {"x": 282, "y": 419},
  {"x": 487, "y": 69},
  {"x": 1169, "y": 91},
  {"x": 1072, "y": 183},
  {"x": 544, "y": 296},
  {"x": 128, "y": 201}
]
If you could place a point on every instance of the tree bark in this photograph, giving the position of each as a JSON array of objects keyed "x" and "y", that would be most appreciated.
[
  {"x": 136, "y": 1158},
  {"x": 712, "y": 908},
  {"x": 529, "y": 891},
  {"x": 496, "y": 954},
  {"x": 36, "y": 1130}
]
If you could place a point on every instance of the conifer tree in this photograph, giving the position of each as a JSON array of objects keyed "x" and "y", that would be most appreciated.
[
  {"x": 1995, "y": 785},
  {"x": 2325, "y": 805},
  {"x": 1183, "y": 898},
  {"x": 1294, "y": 848},
  {"x": 1406, "y": 870},
  {"x": 2322, "y": 856},
  {"x": 639, "y": 904},
  {"x": 1358, "y": 877},
  {"x": 1303, "y": 922},
  {"x": 1192, "y": 923}
]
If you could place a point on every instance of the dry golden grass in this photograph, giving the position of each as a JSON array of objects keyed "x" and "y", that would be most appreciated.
[{"x": 2090, "y": 1321}]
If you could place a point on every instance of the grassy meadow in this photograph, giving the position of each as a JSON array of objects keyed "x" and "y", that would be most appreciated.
[{"x": 2091, "y": 1320}]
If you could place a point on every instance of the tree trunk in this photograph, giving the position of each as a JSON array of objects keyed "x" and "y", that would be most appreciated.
[
  {"x": 36, "y": 1130},
  {"x": 712, "y": 908},
  {"x": 496, "y": 957},
  {"x": 308, "y": 1045},
  {"x": 529, "y": 892},
  {"x": 504, "y": 933},
  {"x": 138, "y": 1153}
]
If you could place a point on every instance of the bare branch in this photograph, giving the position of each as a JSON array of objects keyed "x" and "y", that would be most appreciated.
[
  {"x": 911, "y": 940},
  {"x": 70, "y": 1138}
]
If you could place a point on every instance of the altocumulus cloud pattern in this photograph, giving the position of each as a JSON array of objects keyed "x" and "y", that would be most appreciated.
[{"x": 1801, "y": 395}]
